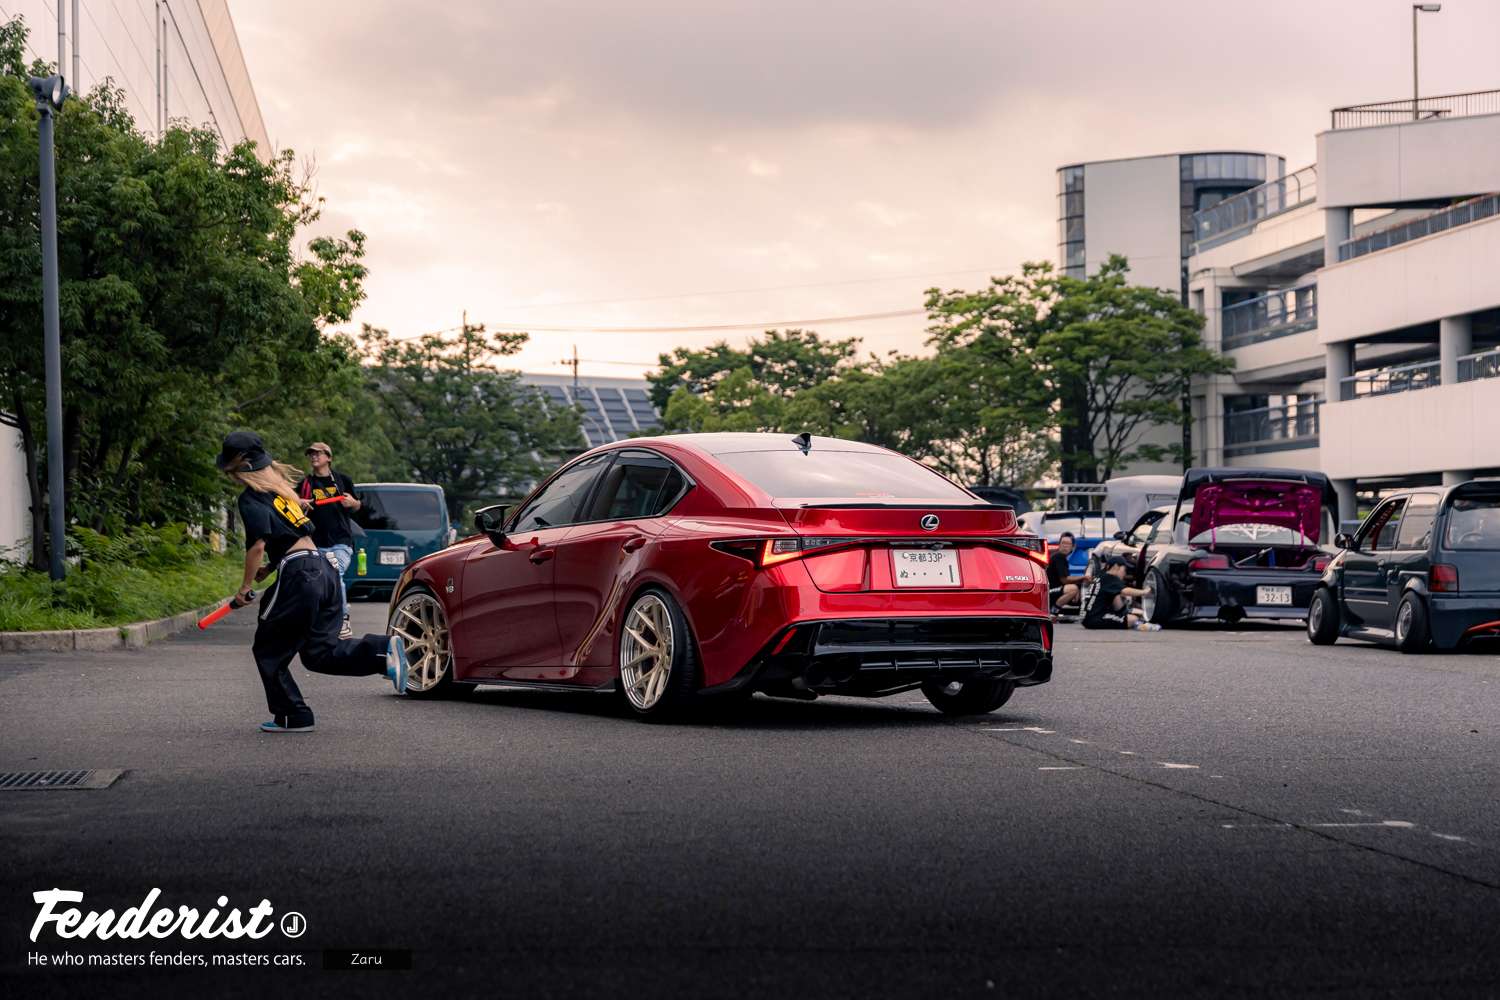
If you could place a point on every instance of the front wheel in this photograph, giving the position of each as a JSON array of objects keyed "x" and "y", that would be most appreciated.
[
  {"x": 1323, "y": 618},
  {"x": 658, "y": 663},
  {"x": 1412, "y": 634},
  {"x": 420, "y": 622},
  {"x": 976, "y": 696}
]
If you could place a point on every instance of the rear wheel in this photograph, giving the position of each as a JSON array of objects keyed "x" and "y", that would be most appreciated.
[
  {"x": 420, "y": 622},
  {"x": 1160, "y": 604},
  {"x": 658, "y": 663},
  {"x": 971, "y": 697},
  {"x": 1323, "y": 618},
  {"x": 1412, "y": 634}
]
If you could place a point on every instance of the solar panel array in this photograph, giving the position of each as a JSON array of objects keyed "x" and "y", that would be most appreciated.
[{"x": 606, "y": 412}]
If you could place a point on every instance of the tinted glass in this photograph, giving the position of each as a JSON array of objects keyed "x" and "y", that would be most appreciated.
[
  {"x": 1380, "y": 534},
  {"x": 401, "y": 510},
  {"x": 559, "y": 502},
  {"x": 868, "y": 475},
  {"x": 1473, "y": 523},
  {"x": 638, "y": 486},
  {"x": 1416, "y": 526}
]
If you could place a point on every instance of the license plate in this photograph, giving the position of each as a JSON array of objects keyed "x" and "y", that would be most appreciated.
[
  {"x": 1274, "y": 595},
  {"x": 393, "y": 557},
  {"x": 925, "y": 568}
]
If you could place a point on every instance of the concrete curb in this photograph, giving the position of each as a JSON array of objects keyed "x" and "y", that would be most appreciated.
[{"x": 134, "y": 636}]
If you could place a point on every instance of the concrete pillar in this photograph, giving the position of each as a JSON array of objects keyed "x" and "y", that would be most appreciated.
[
  {"x": 1338, "y": 226},
  {"x": 1455, "y": 339},
  {"x": 1338, "y": 365},
  {"x": 1348, "y": 508}
]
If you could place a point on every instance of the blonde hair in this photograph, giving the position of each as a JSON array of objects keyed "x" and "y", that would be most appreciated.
[{"x": 275, "y": 478}]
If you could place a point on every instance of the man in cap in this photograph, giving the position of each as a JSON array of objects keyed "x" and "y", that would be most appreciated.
[
  {"x": 333, "y": 531},
  {"x": 1107, "y": 601}
]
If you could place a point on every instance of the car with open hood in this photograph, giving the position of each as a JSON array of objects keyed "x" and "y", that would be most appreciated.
[
  {"x": 1238, "y": 543},
  {"x": 1421, "y": 573}
]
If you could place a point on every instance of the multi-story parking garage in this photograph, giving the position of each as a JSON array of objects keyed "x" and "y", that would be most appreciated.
[{"x": 1359, "y": 297}]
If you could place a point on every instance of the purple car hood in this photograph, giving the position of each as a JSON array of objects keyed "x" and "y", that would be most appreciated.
[{"x": 1298, "y": 506}]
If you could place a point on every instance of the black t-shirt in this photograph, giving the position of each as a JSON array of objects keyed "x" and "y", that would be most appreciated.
[
  {"x": 1099, "y": 597},
  {"x": 331, "y": 524},
  {"x": 274, "y": 520},
  {"x": 1057, "y": 569}
]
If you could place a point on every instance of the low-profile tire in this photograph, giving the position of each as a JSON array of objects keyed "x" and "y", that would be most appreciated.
[
  {"x": 1323, "y": 618},
  {"x": 971, "y": 697},
  {"x": 1160, "y": 604},
  {"x": 419, "y": 619},
  {"x": 658, "y": 660},
  {"x": 1412, "y": 633}
]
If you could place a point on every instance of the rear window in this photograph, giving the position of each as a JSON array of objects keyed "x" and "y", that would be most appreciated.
[
  {"x": 402, "y": 510},
  {"x": 1473, "y": 523},
  {"x": 871, "y": 475},
  {"x": 1081, "y": 525}
]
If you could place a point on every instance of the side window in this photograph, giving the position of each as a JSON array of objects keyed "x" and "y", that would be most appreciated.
[
  {"x": 639, "y": 485},
  {"x": 1416, "y": 526},
  {"x": 1143, "y": 528},
  {"x": 1379, "y": 534},
  {"x": 558, "y": 504}
]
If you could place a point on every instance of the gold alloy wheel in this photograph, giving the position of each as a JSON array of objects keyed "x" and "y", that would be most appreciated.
[
  {"x": 646, "y": 652},
  {"x": 420, "y": 623}
]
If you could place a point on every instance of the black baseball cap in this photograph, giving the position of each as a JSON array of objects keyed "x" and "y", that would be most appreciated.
[
  {"x": 1117, "y": 561},
  {"x": 243, "y": 451}
]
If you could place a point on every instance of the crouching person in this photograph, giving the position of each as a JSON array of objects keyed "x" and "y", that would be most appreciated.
[
  {"x": 1107, "y": 601},
  {"x": 303, "y": 609}
]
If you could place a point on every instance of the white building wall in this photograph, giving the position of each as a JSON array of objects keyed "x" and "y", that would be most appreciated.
[
  {"x": 1131, "y": 208},
  {"x": 1410, "y": 161},
  {"x": 1449, "y": 427}
]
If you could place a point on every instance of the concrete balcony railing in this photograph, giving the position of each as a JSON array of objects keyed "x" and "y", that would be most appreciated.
[
  {"x": 1235, "y": 215},
  {"x": 1266, "y": 317},
  {"x": 1465, "y": 212},
  {"x": 1272, "y": 428},
  {"x": 1387, "y": 381}
]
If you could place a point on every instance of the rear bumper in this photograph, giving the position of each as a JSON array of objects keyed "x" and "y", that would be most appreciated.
[
  {"x": 871, "y": 657},
  {"x": 1226, "y": 595},
  {"x": 1452, "y": 620}
]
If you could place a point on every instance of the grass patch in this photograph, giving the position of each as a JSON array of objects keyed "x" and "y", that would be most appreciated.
[{"x": 143, "y": 574}]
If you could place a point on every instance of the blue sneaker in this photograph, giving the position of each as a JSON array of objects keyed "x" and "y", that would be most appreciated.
[
  {"x": 396, "y": 664},
  {"x": 277, "y": 725}
]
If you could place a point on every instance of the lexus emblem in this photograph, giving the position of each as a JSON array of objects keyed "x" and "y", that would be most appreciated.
[{"x": 929, "y": 522}]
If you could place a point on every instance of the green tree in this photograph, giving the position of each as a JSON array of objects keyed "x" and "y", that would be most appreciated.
[
  {"x": 186, "y": 307},
  {"x": 455, "y": 418}
]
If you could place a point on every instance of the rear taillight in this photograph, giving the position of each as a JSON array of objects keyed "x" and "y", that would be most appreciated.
[
  {"x": 770, "y": 551},
  {"x": 1321, "y": 563},
  {"x": 1443, "y": 579},
  {"x": 1208, "y": 562},
  {"x": 1031, "y": 545}
]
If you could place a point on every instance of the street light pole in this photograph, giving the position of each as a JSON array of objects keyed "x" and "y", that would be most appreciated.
[
  {"x": 50, "y": 93},
  {"x": 1418, "y": 8}
]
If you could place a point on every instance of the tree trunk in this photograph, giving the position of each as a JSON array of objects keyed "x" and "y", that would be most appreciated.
[
  {"x": 34, "y": 488},
  {"x": 1079, "y": 463}
]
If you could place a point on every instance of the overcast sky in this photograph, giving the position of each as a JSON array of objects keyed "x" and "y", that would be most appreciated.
[{"x": 681, "y": 162}]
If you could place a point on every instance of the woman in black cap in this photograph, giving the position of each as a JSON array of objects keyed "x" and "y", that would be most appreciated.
[{"x": 302, "y": 611}]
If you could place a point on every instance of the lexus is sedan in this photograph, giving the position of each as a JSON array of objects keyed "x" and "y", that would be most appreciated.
[{"x": 676, "y": 569}]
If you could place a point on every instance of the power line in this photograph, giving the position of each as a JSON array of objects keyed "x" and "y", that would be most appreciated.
[{"x": 711, "y": 328}]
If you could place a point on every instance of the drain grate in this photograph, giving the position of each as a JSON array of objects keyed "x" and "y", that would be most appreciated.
[{"x": 86, "y": 778}]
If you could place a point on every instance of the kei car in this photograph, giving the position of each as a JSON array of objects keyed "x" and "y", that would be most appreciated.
[
  {"x": 398, "y": 524},
  {"x": 1238, "y": 543},
  {"x": 677, "y": 568},
  {"x": 1422, "y": 572}
]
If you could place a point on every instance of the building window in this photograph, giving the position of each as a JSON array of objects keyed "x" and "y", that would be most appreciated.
[{"x": 1070, "y": 231}]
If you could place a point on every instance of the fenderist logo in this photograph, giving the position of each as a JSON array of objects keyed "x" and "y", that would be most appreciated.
[{"x": 149, "y": 920}]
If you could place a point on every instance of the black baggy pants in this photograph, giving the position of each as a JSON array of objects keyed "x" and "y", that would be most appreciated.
[{"x": 302, "y": 613}]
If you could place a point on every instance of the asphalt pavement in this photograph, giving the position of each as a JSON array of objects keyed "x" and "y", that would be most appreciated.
[{"x": 1205, "y": 811}]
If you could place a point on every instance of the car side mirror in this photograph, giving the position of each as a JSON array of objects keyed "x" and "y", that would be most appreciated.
[
  {"x": 1344, "y": 540},
  {"x": 1119, "y": 536},
  {"x": 491, "y": 521}
]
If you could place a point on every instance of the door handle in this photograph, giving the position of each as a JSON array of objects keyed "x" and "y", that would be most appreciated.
[
  {"x": 540, "y": 556},
  {"x": 634, "y": 542}
]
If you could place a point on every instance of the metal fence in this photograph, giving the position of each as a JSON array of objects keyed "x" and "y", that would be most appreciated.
[
  {"x": 1240, "y": 210},
  {"x": 1475, "y": 102},
  {"x": 1483, "y": 207},
  {"x": 1266, "y": 317},
  {"x": 1407, "y": 378},
  {"x": 1485, "y": 364},
  {"x": 1272, "y": 428}
]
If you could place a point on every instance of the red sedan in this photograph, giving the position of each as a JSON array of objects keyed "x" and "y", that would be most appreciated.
[{"x": 676, "y": 568}]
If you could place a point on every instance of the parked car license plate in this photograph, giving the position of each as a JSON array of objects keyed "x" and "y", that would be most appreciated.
[
  {"x": 1274, "y": 596},
  {"x": 393, "y": 557},
  {"x": 925, "y": 568}
]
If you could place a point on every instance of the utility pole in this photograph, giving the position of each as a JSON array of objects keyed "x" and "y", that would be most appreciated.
[
  {"x": 50, "y": 93},
  {"x": 62, "y": 36},
  {"x": 77, "y": 26},
  {"x": 573, "y": 363}
]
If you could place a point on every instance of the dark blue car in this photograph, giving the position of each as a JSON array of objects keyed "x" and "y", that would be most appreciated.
[
  {"x": 1422, "y": 572},
  {"x": 400, "y": 523}
]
